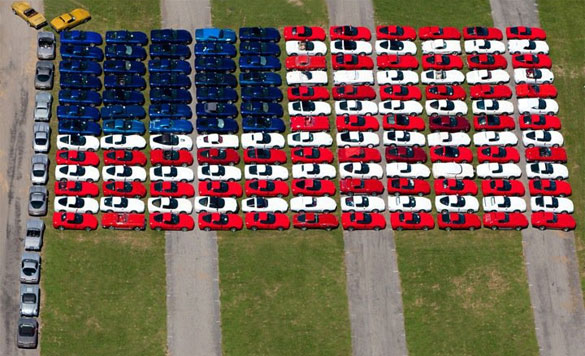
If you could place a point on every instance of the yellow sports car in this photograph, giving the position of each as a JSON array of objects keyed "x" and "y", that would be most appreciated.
[
  {"x": 71, "y": 19},
  {"x": 29, "y": 14}
]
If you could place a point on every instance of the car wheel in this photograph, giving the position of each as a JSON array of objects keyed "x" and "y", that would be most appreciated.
[
  {"x": 207, "y": 228},
  {"x": 447, "y": 228},
  {"x": 399, "y": 228},
  {"x": 541, "y": 228},
  {"x": 157, "y": 228},
  {"x": 494, "y": 228},
  {"x": 61, "y": 228},
  {"x": 471, "y": 228},
  {"x": 469, "y": 211},
  {"x": 90, "y": 180},
  {"x": 518, "y": 228},
  {"x": 350, "y": 228},
  {"x": 280, "y": 228},
  {"x": 184, "y": 229},
  {"x": 253, "y": 228},
  {"x": 377, "y": 228},
  {"x": 233, "y": 229},
  {"x": 565, "y": 229}
]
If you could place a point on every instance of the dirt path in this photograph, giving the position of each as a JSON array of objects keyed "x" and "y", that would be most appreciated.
[{"x": 551, "y": 262}]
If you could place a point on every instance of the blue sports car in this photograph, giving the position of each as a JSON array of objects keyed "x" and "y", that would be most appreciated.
[
  {"x": 214, "y": 64},
  {"x": 123, "y": 97},
  {"x": 261, "y": 94},
  {"x": 170, "y": 111},
  {"x": 169, "y": 65},
  {"x": 123, "y": 112},
  {"x": 219, "y": 126},
  {"x": 259, "y": 48},
  {"x": 125, "y": 52},
  {"x": 216, "y": 110},
  {"x": 79, "y": 81},
  {"x": 82, "y": 52},
  {"x": 255, "y": 108},
  {"x": 76, "y": 127},
  {"x": 170, "y": 80},
  {"x": 124, "y": 67},
  {"x": 171, "y": 36},
  {"x": 124, "y": 127},
  {"x": 81, "y": 38},
  {"x": 259, "y": 34},
  {"x": 260, "y": 79},
  {"x": 263, "y": 124},
  {"x": 216, "y": 94},
  {"x": 215, "y": 49},
  {"x": 126, "y": 37},
  {"x": 78, "y": 112},
  {"x": 80, "y": 67},
  {"x": 215, "y": 35},
  {"x": 159, "y": 126},
  {"x": 172, "y": 51},
  {"x": 168, "y": 95},
  {"x": 265, "y": 63},
  {"x": 216, "y": 79},
  {"x": 124, "y": 81},
  {"x": 79, "y": 97}
]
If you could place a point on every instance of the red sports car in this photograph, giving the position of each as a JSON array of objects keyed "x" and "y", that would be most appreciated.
[
  {"x": 219, "y": 221},
  {"x": 486, "y": 61},
  {"x": 395, "y": 32},
  {"x": 506, "y": 187},
  {"x": 546, "y": 154},
  {"x": 123, "y": 221},
  {"x": 497, "y": 154},
  {"x": 525, "y": 32},
  {"x": 304, "y": 33},
  {"x": 486, "y": 91},
  {"x": 160, "y": 157},
  {"x": 403, "y": 122},
  {"x": 218, "y": 156},
  {"x": 357, "y": 123},
  {"x": 407, "y": 186},
  {"x": 353, "y": 92},
  {"x": 412, "y": 221},
  {"x": 482, "y": 33},
  {"x": 264, "y": 156},
  {"x": 452, "y": 92},
  {"x": 306, "y": 221},
  {"x": 266, "y": 188},
  {"x": 493, "y": 123},
  {"x": 539, "y": 122},
  {"x": 363, "y": 221},
  {"x": 351, "y": 62},
  {"x": 441, "y": 61},
  {"x": 313, "y": 187},
  {"x": 217, "y": 188},
  {"x": 536, "y": 91},
  {"x": 531, "y": 61},
  {"x": 309, "y": 123},
  {"x": 74, "y": 221},
  {"x": 436, "y": 32},
  {"x": 124, "y": 189},
  {"x": 395, "y": 61},
  {"x": 400, "y": 92},
  {"x": 449, "y": 123},
  {"x": 505, "y": 221},
  {"x": 267, "y": 221},
  {"x": 543, "y": 220},
  {"x": 80, "y": 158},
  {"x": 358, "y": 154},
  {"x": 451, "y": 154},
  {"x": 124, "y": 157},
  {"x": 311, "y": 155},
  {"x": 405, "y": 154},
  {"x": 458, "y": 221},
  {"x": 304, "y": 62},
  {"x": 451, "y": 186},
  {"x": 71, "y": 188},
  {"x": 307, "y": 93},
  {"x": 169, "y": 221},
  {"x": 351, "y": 186},
  {"x": 172, "y": 189},
  {"x": 349, "y": 33},
  {"x": 557, "y": 188}
]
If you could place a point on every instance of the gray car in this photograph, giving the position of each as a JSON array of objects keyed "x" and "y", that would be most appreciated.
[
  {"x": 43, "y": 103},
  {"x": 38, "y": 196},
  {"x": 39, "y": 170},
  {"x": 33, "y": 240},
  {"x": 30, "y": 268},
  {"x": 29, "y": 299},
  {"x": 44, "y": 75},
  {"x": 28, "y": 333},
  {"x": 46, "y": 45},
  {"x": 41, "y": 137}
]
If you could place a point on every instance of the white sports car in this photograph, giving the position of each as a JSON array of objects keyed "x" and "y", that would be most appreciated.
[
  {"x": 260, "y": 204},
  {"x": 215, "y": 204},
  {"x": 486, "y": 76},
  {"x": 406, "y": 107},
  {"x": 493, "y": 138},
  {"x": 397, "y": 76},
  {"x": 313, "y": 204},
  {"x": 123, "y": 142},
  {"x": 218, "y": 141},
  {"x": 355, "y": 77},
  {"x": 76, "y": 205},
  {"x": 362, "y": 203},
  {"x": 360, "y": 170},
  {"x": 316, "y": 77},
  {"x": 492, "y": 107},
  {"x": 314, "y": 170},
  {"x": 402, "y": 203},
  {"x": 218, "y": 172},
  {"x": 546, "y": 170},
  {"x": 440, "y": 46},
  {"x": 451, "y": 76},
  {"x": 504, "y": 204},
  {"x": 169, "y": 205},
  {"x": 484, "y": 46},
  {"x": 351, "y": 47},
  {"x": 76, "y": 173},
  {"x": 171, "y": 174},
  {"x": 121, "y": 205},
  {"x": 78, "y": 143},
  {"x": 265, "y": 171},
  {"x": 309, "y": 48},
  {"x": 533, "y": 76},
  {"x": 355, "y": 107},
  {"x": 310, "y": 139},
  {"x": 453, "y": 170},
  {"x": 498, "y": 170},
  {"x": 395, "y": 47},
  {"x": 552, "y": 204},
  {"x": 448, "y": 139},
  {"x": 309, "y": 108},
  {"x": 357, "y": 139},
  {"x": 124, "y": 173},
  {"x": 262, "y": 140},
  {"x": 527, "y": 46},
  {"x": 445, "y": 107},
  {"x": 456, "y": 203},
  {"x": 407, "y": 170},
  {"x": 538, "y": 106},
  {"x": 171, "y": 142},
  {"x": 542, "y": 138},
  {"x": 404, "y": 138}
]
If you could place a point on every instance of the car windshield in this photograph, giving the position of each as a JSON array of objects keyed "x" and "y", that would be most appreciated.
[
  {"x": 26, "y": 330},
  {"x": 29, "y": 298}
]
